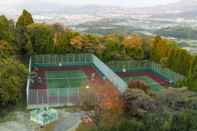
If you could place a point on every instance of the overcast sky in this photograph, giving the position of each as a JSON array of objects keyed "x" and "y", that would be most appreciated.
[{"x": 131, "y": 3}]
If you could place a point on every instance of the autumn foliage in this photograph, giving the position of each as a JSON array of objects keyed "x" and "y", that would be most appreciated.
[
  {"x": 138, "y": 85},
  {"x": 104, "y": 95}
]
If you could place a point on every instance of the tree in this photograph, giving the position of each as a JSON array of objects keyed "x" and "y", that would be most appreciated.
[
  {"x": 180, "y": 61},
  {"x": 91, "y": 42},
  {"x": 58, "y": 27},
  {"x": 61, "y": 42},
  {"x": 6, "y": 29},
  {"x": 132, "y": 41},
  {"x": 41, "y": 37},
  {"x": 84, "y": 43},
  {"x": 25, "y": 19},
  {"x": 12, "y": 80},
  {"x": 62, "y": 39},
  {"x": 77, "y": 43},
  {"x": 138, "y": 53},
  {"x": 133, "y": 46},
  {"x": 194, "y": 67},
  {"x": 160, "y": 49},
  {"x": 22, "y": 37},
  {"x": 184, "y": 121},
  {"x": 113, "y": 47},
  {"x": 105, "y": 102},
  {"x": 136, "y": 103},
  {"x": 157, "y": 121},
  {"x": 138, "y": 85},
  {"x": 192, "y": 77},
  {"x": 146, "y": 46},
  {"x": 5, "y": 49},
  {"x": 164, "y": 62},
  {"x": 88, "y": 98}
]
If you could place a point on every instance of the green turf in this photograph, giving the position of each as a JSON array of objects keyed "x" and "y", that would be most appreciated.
[
  {"x": 66, "y": 74},
  {"x": 150, "y": 82},
  {"x": 67, "y": 82}
]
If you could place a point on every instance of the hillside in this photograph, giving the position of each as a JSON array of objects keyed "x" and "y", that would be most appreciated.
[
  {"x": 137, "y": 108},
  {"x": 178, "y": 32}
]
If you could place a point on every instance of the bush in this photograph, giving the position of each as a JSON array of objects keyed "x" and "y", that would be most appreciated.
[
  {"x": 157, "y": 122},
  {"x": 184, "y": 121},
  {"x": 136, "y": 103},
  {"x": 130, "y": 125},
  {"x": 138, "y": 85}
]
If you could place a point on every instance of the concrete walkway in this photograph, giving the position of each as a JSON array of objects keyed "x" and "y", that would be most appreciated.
[{"x": 70, "y": 122}]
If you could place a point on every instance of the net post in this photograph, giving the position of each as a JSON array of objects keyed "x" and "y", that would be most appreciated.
[
  {"x": 58, "y": 100},
  {"x": 37, "y": 98},
  {"x": 85, "y": 59},
  {"x": 74, "y": 58},
  {"x": 78, "y": 95},
  {"x": 47, "y": 96},
  {"x": 42, "y": 59},
  {"x": 28, "y": 81},
  {"x": 68, "y": 91}
]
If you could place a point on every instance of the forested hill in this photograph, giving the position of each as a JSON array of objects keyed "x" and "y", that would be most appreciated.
[
  {"x": 179, "y": 32},
  {"x": 137, "y": 108}
]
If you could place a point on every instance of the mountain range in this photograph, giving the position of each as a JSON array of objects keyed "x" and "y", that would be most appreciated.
[{"x": 182, "y": 8}]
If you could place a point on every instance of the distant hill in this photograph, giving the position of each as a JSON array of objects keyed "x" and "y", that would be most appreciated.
[
  {"x": 183, "y": 8},
  {"x": 178, "y": 32}
]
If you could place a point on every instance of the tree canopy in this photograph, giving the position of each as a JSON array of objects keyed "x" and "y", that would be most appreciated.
[
  {"x": 25, "y": 19},
  {"x": 12, "y": 80},
  {"x": 26, "y": 38}
]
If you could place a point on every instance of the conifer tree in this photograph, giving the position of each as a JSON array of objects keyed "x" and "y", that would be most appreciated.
[{"x": 21, "y": 32}]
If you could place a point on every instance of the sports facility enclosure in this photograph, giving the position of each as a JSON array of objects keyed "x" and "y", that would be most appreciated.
[
  {"x": 56, "y": 80},
  {"x": 152, "y": 74}
]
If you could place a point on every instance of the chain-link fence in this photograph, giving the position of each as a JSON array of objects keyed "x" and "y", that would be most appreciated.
[
  {"x": 133, "y": 65},
  {"x": 63, "y": 91}
]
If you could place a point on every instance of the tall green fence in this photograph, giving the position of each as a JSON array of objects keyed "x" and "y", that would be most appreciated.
[
  {"x": 133, "y": 65},
  {"x": 109, "y": 74},
  {"x": 39, "y": 97},
  {"x": 79, "y": 59},
  {"x": 56, "y": 60},
  {"x": 166, "y": 73}
]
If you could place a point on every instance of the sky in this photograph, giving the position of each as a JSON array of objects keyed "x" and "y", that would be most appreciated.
[{"x": 129, "y": 3}]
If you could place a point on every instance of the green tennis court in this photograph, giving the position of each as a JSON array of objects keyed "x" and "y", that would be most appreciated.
[
  {"x": 67, "y": 82},
  {"x": 150, "y": 82}
]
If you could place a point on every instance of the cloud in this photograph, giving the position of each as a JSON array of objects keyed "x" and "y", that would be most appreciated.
[
  {"x": 11, "y": 3},
  {"x": 85, "y": 2}
]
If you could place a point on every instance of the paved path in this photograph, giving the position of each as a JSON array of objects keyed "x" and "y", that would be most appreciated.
[{"x": 69, "y": 122}]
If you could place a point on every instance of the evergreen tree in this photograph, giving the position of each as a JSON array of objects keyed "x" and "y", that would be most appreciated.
[
  {"x": 4, "y": 25},
  {"x": 21, "y": 32},
  {"x": 25, "y": 19},
  {"x": 194, "y": 67},
  {"x": 6, "y": 29},
  {"x": 42, "y": 38}
]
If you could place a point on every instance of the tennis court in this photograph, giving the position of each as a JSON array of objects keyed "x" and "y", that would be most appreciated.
[
  {"x": 154, "y": 86},
  {"x": 66, "y": 81},
  {"x": 155, "y": 71},
  {"x": 152, "y": 74},
  {"x": 56, "y": 80}
]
